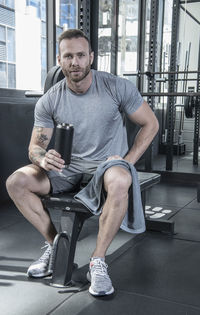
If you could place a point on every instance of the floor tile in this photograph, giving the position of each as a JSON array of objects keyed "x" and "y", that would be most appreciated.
[
  {"x": 125, "y": 303},
  {"x": 187, "y": 224},
  {"x": 160, "y": 267},
  {"x": 170, "y": 194}
]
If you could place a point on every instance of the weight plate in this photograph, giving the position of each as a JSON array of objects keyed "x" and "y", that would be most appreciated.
[
  {"x": 189, "y": 107},
  {"x": 54, "y": 75}
]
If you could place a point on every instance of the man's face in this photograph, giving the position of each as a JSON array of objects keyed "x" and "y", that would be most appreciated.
[{"x": 75, "y": 58}]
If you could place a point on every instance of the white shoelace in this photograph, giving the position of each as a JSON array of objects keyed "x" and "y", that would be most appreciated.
[
  {"x": 100, "y": 267},
  {"x": 47, "y": 252}
]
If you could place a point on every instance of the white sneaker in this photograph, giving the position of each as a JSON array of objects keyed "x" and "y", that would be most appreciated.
[
  {"x": 40, "y": 268},
  {"x": 99, "y": 278}
]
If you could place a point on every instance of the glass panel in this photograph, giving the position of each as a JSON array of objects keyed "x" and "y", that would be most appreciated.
[
  {"x": 10, "y": 3},
  {"x": 11, "y": 76},
  {"x": 159, "y": 42},
  {"x": 35, "y": 6},
  {"x": 25, "y": 30},
  {"x": 3, "y": 76},
  {"x": 3, "y": 51},
  {"x": 104, "y": 35},
  {"x": 59, "y": 30},
  {"x": 11, "y": 44},
  {"x": 128, "y": 36},
  {"x": 2, "y": 34},
  {"x": 43, "y": 10},
  {"x": 2, "y": 43},
  {"x": 65, "y": 16},
  {"x": 25, "y": 44},
  {"x": 43, "y": 61},
  {"x": 167, "y": 31},
  {"x": 43, "y": 29},
  {"x": 167, "y": 34}
]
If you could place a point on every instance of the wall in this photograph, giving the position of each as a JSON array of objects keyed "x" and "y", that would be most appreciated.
[{"x": 16, "y": 122}]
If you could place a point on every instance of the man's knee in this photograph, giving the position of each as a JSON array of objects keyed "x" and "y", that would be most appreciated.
[
  {"x": 29, "y": 178},
  {"x": 16, "y": 182},
  {"x": 117, "y": 182}
]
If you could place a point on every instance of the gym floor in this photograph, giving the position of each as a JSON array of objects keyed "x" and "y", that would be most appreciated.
[
  {"x": 182, "y": 163},
  {"x": 153, "y": 273}
]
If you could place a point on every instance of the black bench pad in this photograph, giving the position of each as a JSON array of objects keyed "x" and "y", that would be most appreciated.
[{"x": 66, "y": 201}]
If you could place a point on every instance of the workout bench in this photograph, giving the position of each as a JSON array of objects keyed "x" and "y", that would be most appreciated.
[{"x": 73, "y": 216}]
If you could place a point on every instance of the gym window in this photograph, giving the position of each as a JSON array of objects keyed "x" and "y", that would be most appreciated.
[{"x": 23, "y": 49}]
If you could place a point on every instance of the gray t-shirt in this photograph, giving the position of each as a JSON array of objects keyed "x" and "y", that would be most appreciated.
[{"x": 97, "y": 115}]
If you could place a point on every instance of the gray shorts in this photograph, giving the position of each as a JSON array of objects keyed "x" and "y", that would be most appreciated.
[{"x": 70, "y": 179}]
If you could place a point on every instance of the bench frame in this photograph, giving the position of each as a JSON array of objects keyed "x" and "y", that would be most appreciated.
[{"x": 72, "y": 219}]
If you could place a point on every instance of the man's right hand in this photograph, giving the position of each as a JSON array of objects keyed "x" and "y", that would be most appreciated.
[{"x": 52, "y": 161}]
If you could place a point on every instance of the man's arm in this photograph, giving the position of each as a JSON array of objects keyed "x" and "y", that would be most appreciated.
[
  {"x": 145, "y": 118},
  {"x": 48, "y": 160}
]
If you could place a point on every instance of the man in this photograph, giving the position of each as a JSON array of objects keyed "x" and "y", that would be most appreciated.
[{"x": 93, "y": 102}]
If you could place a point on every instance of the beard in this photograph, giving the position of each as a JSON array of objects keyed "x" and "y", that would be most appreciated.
[{"x": 77, "y": 74}]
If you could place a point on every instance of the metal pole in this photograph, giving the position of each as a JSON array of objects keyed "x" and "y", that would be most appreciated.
[
  {"x": 197, "y": 118},
  {"x": 94, "y": 24},
  {"x": 141, "y": 36},
  {"x": 151, "y": 67},
  {"x": 171, "y": 99},
  {"x": 161, "y": 40},
  {"x": 88, "y": 17},
  {"x": 150, "y": 73},
  {"x": 114, "y": 37},
  {"x": 170, "y": 94},
  {"x": 51, "y": 33},
  {"x": 84, "y": 16}
]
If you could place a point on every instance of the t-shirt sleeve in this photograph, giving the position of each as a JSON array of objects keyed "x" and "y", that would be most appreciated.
[
  {"x": 128, "y": 95},
  {"x": 43, "y": 113}
]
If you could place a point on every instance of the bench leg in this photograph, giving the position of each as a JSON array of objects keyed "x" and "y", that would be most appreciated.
[{"x": 64, "y": 247}]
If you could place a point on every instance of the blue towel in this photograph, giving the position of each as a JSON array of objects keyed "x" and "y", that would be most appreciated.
[{"x": 93, "y": 198}]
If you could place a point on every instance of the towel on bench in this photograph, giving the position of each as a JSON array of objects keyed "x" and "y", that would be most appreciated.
[{"x": 93, "y": 198}]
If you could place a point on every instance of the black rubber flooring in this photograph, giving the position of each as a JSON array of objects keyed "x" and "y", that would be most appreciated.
[
  {"x": 153, "y": 277},
  {"x": 153, "y": 273}
]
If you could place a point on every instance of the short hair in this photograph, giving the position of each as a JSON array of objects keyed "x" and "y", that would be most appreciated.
[{"x": 73, "y": 33}]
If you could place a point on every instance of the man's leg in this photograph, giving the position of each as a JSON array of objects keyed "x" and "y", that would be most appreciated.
[
  {"x": 117, "y": 181},
  {"x": 23, "y": 187}
]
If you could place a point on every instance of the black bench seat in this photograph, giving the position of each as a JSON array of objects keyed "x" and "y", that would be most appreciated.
[{"x": 66, "y": 201}]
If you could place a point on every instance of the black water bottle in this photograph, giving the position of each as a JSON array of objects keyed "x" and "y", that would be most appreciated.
[{"x": 63, "y": 141}]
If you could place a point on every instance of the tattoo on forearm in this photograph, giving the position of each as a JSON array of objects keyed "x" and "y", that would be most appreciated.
[
  {"x": 36, "y": 154},
  {"x": 41, "y": 137},
  {"x": 39, "y": 143}
]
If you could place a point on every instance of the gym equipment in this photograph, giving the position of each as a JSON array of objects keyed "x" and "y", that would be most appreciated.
[
  {"x": 184, "y": 87},
  {"x": 54, "y": 75},
  {"x": 152, "y": 73},
  {"x": 189, "y": 106}
]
